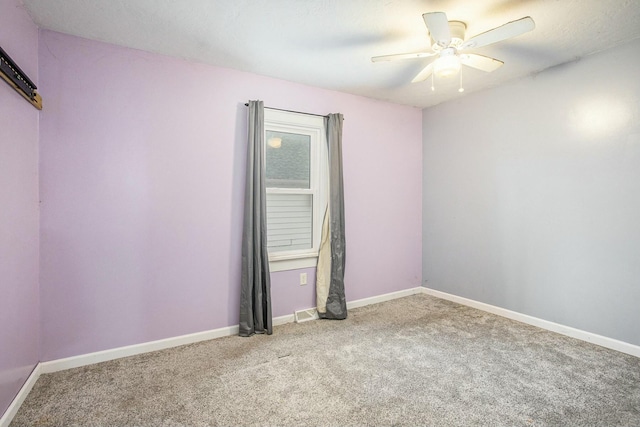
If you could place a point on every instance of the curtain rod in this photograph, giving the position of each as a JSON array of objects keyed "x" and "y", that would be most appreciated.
[
  {"x": 290, "y": 111},
  {"x": 17, "y": 79}
]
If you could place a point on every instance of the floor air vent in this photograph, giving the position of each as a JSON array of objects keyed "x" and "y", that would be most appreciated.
[{"x": 304, "y": 315}]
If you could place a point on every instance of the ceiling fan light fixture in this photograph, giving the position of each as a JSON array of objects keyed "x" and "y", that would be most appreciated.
[{"x": 448, "y": 64}]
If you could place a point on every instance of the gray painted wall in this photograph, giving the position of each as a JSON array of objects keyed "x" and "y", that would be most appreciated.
[{"x": 532, "y": 195}]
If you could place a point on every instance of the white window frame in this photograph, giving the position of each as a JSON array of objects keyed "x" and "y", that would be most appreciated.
[{"x": 304, "y": 124}]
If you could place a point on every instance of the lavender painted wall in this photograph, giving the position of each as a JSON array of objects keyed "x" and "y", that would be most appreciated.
[
  {"x": 142, "y": 165},
  {"x": 18, "y": 209}
]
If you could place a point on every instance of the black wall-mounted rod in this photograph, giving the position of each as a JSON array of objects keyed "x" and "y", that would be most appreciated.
[
  {"x": 291, "y": 111},
  {"x": 17, "y": 79}
]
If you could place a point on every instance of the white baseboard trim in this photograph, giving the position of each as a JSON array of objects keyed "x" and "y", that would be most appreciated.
[
  {"x": 384, "y": 297},
  {"x": 12, "y": 410},
  {"x": 117, "y": 353},
  {"x": 600, "y": 340},
  {"x": 281, "y": 320},
  {"x": 135, "y": 349},
  {"x": 132, "y": 350}
]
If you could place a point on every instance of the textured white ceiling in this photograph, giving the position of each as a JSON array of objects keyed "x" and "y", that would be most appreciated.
[{"x": 329, "y": 43}]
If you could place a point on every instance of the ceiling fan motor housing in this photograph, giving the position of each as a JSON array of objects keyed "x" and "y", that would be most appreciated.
[{"x": 458, "y": 30}]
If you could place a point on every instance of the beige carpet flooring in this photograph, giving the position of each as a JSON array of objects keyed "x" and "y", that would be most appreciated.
[{"x": 413, "y": 361}]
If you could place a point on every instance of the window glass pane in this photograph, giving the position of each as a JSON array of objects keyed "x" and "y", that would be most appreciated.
[
  {"x": 288, "y": 160},
  {"x": 289, "y": 222}
]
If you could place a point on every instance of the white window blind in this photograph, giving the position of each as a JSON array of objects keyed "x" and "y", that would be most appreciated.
[{"x": 289, "y": 222}]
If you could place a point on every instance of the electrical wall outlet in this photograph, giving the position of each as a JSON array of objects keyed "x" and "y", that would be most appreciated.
[{"x": 303, "y": 279}]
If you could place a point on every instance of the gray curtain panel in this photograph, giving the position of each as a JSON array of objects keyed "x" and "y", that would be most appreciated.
[
  {"x": 336, "y": 306},
  {"x": 255, "y": 294}
]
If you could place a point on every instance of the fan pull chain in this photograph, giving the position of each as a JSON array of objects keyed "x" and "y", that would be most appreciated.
[
  {"x": 461, "y": 88},
  {"x": 433, "y": 88}
]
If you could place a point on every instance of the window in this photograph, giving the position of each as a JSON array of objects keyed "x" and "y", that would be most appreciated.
[{"x": 296, "y": 181}]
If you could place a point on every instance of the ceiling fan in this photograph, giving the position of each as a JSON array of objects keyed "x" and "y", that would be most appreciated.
[{"x": 449, "y": 46}]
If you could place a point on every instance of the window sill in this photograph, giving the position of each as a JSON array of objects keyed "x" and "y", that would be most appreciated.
[{"x": 293, "y": 264}]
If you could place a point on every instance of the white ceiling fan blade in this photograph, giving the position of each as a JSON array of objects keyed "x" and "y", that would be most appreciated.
[
  {"x": 438, "y": 27},
  {"x": 480, "y": 62},
  {"x": 503, "y": 32},
  {"x": 424, "y": 74},
  {"x": 402, "y": 56}
]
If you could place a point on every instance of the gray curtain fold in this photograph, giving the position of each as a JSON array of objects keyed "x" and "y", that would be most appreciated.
[
  {"x": 255, "y": 294},
  {"x": 336, "y": 307}
]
